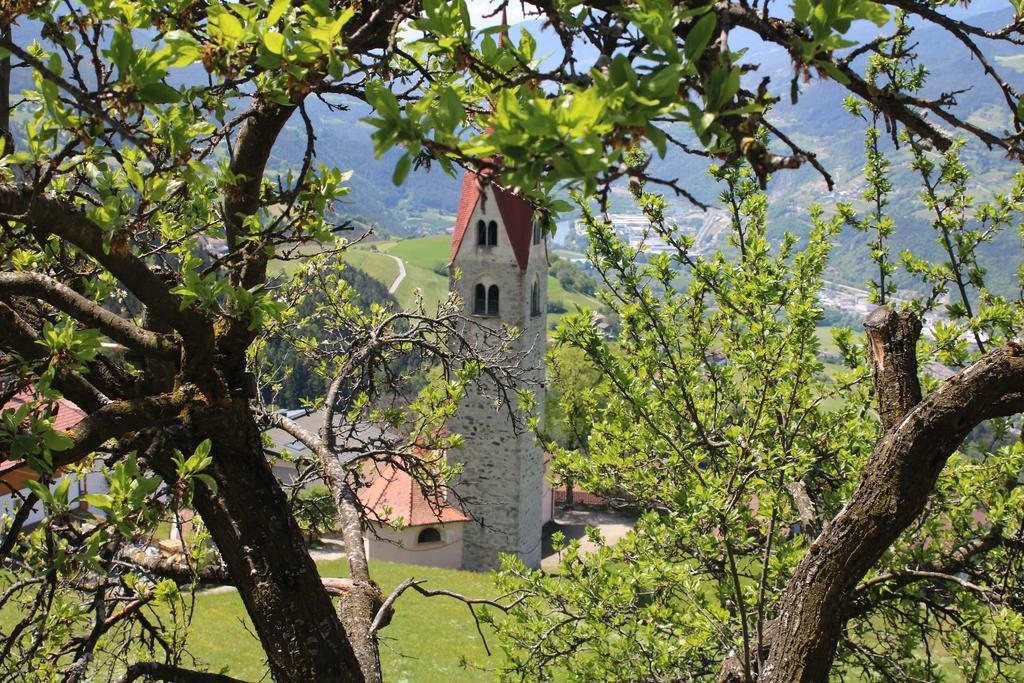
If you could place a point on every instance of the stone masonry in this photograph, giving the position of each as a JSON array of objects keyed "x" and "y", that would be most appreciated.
[{"x": 502, "y": 478}]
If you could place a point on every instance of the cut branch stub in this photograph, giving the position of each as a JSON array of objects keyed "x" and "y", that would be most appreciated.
[{"x": 892, "y": 340}]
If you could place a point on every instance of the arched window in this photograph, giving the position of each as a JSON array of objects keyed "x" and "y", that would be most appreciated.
[
  {"x": 492, "y": 233},
  {"x": 492, "y": 300},
  {"x": 429, "y": 535},
  {"x": 481, "y": 233},
  {"x": 535, "y": 296},
  {"x": 536, "y": 232},
  {"x": 480, "y": 300}
]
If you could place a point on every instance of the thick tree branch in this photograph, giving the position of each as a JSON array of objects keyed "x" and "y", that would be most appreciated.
[
  {"x": 894, "y": 489},
  {"x": 17, "y": 336},
  {"x": 87, "y": 312},
  {"x": 20, "y": 202},
  {"x": 179, "y": 571},
  {"x": 117, "y": 419},
  {"x": 892, "y": 340}
]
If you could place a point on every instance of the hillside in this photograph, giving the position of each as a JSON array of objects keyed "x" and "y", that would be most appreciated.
[
  {"x": 426, "y": 263},
  {"x": 424, "y": 204}
]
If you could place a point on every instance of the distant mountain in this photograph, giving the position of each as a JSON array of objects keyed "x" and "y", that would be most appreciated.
[
  {"x": 818, "y": 123},
  {"x": 426, "y": 202}
]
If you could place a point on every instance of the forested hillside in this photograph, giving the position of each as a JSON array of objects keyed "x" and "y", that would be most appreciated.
[{"x": 425, "y": 202}]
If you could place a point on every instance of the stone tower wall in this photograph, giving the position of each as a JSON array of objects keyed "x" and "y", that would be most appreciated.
[{"x": 502, "y": 479}]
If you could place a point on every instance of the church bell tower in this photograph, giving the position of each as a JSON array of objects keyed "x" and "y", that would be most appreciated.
[{"x": 499, "y": 248}]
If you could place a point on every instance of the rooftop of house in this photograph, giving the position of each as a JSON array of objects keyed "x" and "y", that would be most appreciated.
[
  {"x": 397, "y": 498},
  {"x": 68, "y": 415},
  {"x": 392, "y": 493}
]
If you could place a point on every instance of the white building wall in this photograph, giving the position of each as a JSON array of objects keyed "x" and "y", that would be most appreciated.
[
  {"x": 92, "y": 482},
  {"x": 400, "y": 545}
]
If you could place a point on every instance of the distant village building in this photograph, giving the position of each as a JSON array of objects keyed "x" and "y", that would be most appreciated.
[
  {"x": 15, "y": 473},
  {"x": 500, "y": 250},
  {"x": 635, "y": 230}
]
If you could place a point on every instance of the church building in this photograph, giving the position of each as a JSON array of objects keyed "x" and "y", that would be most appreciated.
[{"x": 499, "y": 250}]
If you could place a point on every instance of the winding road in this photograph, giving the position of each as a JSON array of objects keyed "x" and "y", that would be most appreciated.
[{"x": 401, "y": 274}]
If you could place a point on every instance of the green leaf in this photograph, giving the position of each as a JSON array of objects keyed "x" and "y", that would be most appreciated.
[
  {"x": 277, "y": 11},
  {"x": 274, "y": 42},
  {"x": 402, "y": 169},
  {"x": 833, "y": 71},
  {"x": 158, "y": 93},
  {"x": 121, "y": 49},
  {"x": 210, "y": 482},
  {"x": 229, "y": 25},
  {"x": 57, "y": 441},
  {"x": 699, "y": 36},
  {"x": 60, "y": 492},
  {"x": 41, "y": 491},
  {"x": 100, "y": 501}
]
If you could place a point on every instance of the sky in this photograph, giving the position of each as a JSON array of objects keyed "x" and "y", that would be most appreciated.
[{"x": 479, "y": 8}]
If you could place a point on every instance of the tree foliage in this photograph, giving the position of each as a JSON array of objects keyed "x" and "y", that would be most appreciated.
[{"x": 143, "y": 204}]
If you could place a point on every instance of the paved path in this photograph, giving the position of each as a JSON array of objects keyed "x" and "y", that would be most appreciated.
[
  {"x": 401, "y": 274},
  {"x": 613, "y": 525}
]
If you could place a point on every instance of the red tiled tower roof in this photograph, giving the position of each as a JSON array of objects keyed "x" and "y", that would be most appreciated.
[{"x": 516, "y": 213}]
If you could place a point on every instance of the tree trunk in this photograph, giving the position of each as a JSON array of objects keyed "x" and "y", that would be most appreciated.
[
  {"x": 358, "y": 607},
  {"x": 262, "y": 547},
  {"x": 5, "y": 97},
  {"x": 893, "y": 491}
]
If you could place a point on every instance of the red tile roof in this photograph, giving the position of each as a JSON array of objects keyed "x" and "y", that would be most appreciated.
[
  {"x": 516, "y": 214},
  {"x": 68, "y": 415},
  {"x": 393, "y": 494}
]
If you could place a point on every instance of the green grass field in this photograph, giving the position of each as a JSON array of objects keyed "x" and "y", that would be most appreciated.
[{"x": 426, "y": 641}]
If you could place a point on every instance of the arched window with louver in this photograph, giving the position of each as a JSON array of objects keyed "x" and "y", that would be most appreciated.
[
  {"x": 492, "y": 300},
  {"x": 492, "y": 234},
  {"x": 535, "y": 296},
  {"x": 480, "y": 300},
  {"x": 429, "y": 535},
  {"x": 481, "y": 233}
]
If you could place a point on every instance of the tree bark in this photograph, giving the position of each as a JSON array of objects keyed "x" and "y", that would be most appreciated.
[
  {"x": 894, "y": 489},
  {"x": 262, "y": 547},
  {"x": 359, "y": 606},
  {"x": 5, "y": 96},
  {"x": 892, "y": 340}
]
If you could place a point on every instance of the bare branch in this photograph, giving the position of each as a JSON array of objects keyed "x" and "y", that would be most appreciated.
[{"x": 173, "y": 674}]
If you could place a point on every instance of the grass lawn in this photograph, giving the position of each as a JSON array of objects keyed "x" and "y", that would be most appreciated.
[
  {"x": 571, "y": 300},
  {"x": 378, "y": 266},
  {"x": 428, "y": 252},
  {"x": 426, "y": 641},
  {"x": 421, "y": 256}
]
